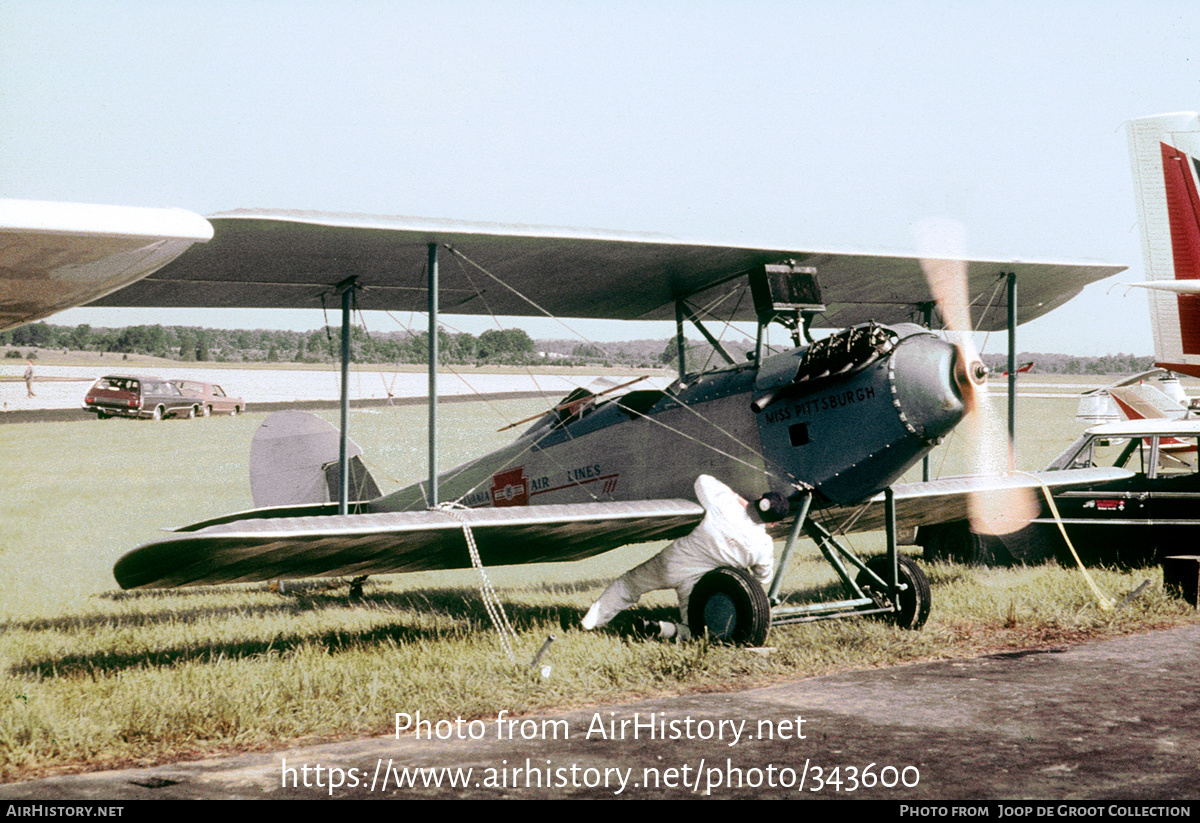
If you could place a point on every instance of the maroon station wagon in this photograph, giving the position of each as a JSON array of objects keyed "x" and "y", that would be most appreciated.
[
  {"x": 208, "y": 398},
  {"x": 119, "y": 395}
]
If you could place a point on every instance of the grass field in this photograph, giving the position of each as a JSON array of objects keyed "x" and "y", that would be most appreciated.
[{"x": 91, "y": 677}]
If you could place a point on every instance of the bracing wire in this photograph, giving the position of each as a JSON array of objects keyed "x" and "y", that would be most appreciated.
[{"x": 753, "y": 451}]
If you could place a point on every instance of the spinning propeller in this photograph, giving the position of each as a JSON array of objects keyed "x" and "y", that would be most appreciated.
[{"x": 941, "y": 245}]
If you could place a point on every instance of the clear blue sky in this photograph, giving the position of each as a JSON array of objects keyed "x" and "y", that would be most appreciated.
[{"x": 810, "y": 124}]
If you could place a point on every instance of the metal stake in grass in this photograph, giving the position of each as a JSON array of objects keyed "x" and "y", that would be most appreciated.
[{"x": 545, "y": 670}]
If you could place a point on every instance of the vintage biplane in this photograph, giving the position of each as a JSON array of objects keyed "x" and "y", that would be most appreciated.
[{"x": 830, "y": 424}]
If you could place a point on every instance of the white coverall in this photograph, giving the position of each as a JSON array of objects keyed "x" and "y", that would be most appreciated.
[{"x": 729, "y": 535}]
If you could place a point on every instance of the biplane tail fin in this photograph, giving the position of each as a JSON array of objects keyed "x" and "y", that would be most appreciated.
[
  {"x": 1165, "y": 154},
  {"x": 294, "y": 461}
]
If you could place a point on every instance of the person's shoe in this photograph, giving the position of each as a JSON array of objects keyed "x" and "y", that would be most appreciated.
[
  {"x": 591, "y": 618},
  {"x": 646, "y": 628}
]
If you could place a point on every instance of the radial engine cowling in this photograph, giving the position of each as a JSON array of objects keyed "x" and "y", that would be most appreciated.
[{"x": 853, "y": 433}]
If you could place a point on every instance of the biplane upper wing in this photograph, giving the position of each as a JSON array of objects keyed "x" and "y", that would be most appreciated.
[
  {"x": 287, "y": 259},
  {"x": 54, "y": 256},
  {"x": 945, "y": 500},
  {"x": 257, "y": 548}
]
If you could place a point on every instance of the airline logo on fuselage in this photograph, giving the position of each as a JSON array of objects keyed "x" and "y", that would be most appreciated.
[
  {"x": 510, "y": 488},
  {"x": 513, "y": 488}
]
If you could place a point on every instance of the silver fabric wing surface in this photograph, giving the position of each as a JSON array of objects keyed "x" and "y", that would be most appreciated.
[
  {"x": 266, "y": 548},
  {"x": 293, "y": 259},
  {"x": 945, "y": 500},
  {"x": 54, "y": 256},
  {"x": 254, "y": 550}
]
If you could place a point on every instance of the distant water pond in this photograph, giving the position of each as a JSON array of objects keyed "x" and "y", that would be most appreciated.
[{"x": 285, "y": 385}]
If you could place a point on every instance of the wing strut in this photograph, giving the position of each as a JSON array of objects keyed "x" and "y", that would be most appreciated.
[
  {"x": 1011, "y": 279},
  {"x": 432, "y": 495},
  {"x": 712, "y": 341},
  {"x": 680, "y": 343},
  {"x": 346, "y": 289}
]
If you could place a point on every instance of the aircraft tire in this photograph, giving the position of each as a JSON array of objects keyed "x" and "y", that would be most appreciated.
[
  {"x": 729, "y": 606},
  {"x": 916, "y": 598}
]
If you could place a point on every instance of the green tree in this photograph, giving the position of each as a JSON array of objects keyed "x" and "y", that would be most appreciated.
[
  {"x": 505, "y": 345},
  {"x": 187, "y": 344},
  {"x": 81, "y": 337}
]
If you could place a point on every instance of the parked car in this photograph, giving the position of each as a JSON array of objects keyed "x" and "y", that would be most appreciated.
[
  {"x": 1127, "y": 522},
  {"x": 209, "y": 398},
  {"x": 120, "y": 395}
]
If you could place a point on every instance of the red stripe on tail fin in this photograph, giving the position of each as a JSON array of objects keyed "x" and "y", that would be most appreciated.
[{"x": 1183, "y": 210}]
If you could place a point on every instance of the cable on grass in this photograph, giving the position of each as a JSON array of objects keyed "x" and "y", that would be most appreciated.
[{"x": 1106, "y": 602}]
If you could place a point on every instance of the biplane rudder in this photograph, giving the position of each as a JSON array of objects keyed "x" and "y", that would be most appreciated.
[
  {"x": 1165, "y": 156},
  {"x": 294, "y": 462}
]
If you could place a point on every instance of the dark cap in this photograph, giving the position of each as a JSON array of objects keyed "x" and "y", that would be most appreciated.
[{"x": 772, "y": 507}]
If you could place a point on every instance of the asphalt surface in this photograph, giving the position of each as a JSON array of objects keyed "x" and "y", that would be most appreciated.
[{"x": 1114, "y": 720}]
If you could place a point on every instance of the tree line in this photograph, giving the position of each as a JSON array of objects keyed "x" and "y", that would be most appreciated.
[
  {"x": 1070, "y": 364},
  {"x": 495, "y": 346},
  {"x": 192, "y": 344}
]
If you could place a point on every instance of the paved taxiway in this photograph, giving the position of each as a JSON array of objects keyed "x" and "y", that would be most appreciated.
[{"x": 1116, "y": 719}]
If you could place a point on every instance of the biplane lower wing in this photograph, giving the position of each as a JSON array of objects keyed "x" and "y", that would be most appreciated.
[
  {"x": 258, "y": 548},
  {"x": 945, "y": 500}
]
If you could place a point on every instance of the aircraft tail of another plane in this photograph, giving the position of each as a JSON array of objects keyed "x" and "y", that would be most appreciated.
[
  {"x": 1144, "y": 402},
  {"x": 1165, "y": 154},
  {"x": 1153, "y": 394}
]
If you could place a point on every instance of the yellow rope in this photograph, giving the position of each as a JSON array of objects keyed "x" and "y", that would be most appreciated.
[{"x": 1106, "y": 602}]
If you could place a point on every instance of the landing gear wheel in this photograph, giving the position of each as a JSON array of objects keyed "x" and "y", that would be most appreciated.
[
  {"x": 729, "y": 606},
  {"x": 914, "y": 599}
]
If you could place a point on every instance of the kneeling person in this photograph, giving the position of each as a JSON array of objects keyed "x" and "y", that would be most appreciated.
[{"x": 732, "y": 533}]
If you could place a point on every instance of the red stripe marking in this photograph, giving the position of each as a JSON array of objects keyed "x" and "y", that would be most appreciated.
[
  {"x": 577, "y": 483},
  {"x": 1183, "y": 214}
]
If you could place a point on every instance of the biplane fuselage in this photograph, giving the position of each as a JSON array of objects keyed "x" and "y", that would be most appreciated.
[{"x": 847, "y": 434}]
